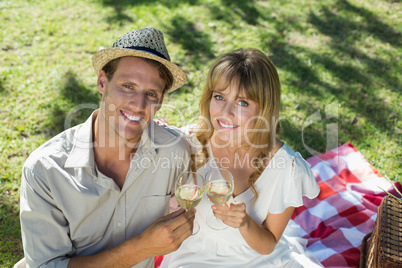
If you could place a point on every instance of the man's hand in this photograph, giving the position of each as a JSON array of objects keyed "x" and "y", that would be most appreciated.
[
  {"x": 163, "y": 236},
  {"x": 167, "y": 233}
]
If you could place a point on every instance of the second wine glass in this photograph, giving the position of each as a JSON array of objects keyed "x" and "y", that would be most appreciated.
[
  {"x": 189, "y": 191},
  {"x": 219, "y": 188}
]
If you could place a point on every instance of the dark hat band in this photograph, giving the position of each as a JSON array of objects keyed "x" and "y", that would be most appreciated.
[{"x": 148, "y": 50}]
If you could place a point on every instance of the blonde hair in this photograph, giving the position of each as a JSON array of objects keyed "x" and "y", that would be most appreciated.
[{"x": 258, "y": 79}]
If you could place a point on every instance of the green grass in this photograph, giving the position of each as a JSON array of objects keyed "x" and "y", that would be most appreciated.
[{"x": 327, "y": 52}]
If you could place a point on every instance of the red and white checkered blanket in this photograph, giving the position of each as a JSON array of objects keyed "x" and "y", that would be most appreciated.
[{"x": 335, "y": 223}]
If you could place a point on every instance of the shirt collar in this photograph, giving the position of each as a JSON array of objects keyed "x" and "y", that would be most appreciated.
[
  {"x": 82, "y": 154},
  {"x": 159, "y": 136},
  {"x": 152, "y": 138}
]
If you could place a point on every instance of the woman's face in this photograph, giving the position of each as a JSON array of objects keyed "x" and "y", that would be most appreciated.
[{"x": 233, "y": 115}]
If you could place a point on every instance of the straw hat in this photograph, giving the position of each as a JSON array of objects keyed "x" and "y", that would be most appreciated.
[{"x": 146, "y": 43}]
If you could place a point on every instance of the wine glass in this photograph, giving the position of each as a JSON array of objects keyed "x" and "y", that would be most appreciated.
[
  {"x": 219, "y": 188},
  {"x": 189, "y": 191}
]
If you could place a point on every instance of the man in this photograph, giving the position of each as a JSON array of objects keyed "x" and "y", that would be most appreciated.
[{"x": 95, "y": 195}]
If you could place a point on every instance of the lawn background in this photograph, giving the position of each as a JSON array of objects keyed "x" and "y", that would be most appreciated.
[{"x": 339, "y": 63}]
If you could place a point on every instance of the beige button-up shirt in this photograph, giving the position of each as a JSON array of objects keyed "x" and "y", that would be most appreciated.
[{"x": 68, "y": 208}]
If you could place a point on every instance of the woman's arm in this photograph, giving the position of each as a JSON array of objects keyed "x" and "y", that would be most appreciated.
[{"x": 262, "y": 238}]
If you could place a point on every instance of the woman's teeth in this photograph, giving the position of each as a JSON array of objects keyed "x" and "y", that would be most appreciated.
[
  {"x": 225, "y": 125},
  {"x": 132, "y": 118}
]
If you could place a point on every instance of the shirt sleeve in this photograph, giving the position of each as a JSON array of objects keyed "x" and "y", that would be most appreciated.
[
  {"x": 302, "y": 183},
  {"x": 43, "y": 227},
  {"x": 285, "y": 186}
]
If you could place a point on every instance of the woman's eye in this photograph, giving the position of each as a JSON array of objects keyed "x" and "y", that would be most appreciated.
[
  {"x": 218, "y": 97},
  {"x": 243, "y": 103},
  {"x": 127, "y": 86}
]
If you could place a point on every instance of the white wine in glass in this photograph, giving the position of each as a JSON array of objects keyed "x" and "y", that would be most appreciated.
[
  {"x": 219, "y": 189},
  {"x": 189, "y": 191},
  {"x": 189, "y": 195}
]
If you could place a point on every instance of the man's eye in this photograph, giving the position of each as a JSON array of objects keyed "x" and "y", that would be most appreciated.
[
  {"x": 218, "y": 97},
  {"x": 243, "y": 103},
  {"x": 151, "y": 94},
  {"x": 127, "y": 86}
]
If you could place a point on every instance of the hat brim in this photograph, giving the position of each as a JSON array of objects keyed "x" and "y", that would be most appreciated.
[{"x": 102, "y": 57}]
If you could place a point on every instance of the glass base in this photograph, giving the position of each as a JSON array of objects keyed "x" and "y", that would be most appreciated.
[
  {"x": 215, "y": 223},
  {"x": 196, "y": 228}
]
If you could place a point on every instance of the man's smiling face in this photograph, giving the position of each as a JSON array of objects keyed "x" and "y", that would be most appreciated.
[{"x": 131, "y": 98}]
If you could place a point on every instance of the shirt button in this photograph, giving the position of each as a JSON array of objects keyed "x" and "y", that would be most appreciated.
[{"x": 119, "y": 224}]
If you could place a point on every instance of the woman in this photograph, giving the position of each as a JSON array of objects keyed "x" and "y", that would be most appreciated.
[{"x": 240, "y": 112}]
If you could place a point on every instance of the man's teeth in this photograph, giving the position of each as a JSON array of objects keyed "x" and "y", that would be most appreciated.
[
  {"x": 225, "y": 126},
  {"x": 132, "y": 118}
]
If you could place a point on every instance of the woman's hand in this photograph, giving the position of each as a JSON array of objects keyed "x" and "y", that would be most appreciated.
[{"x": 232, "y": 214}]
